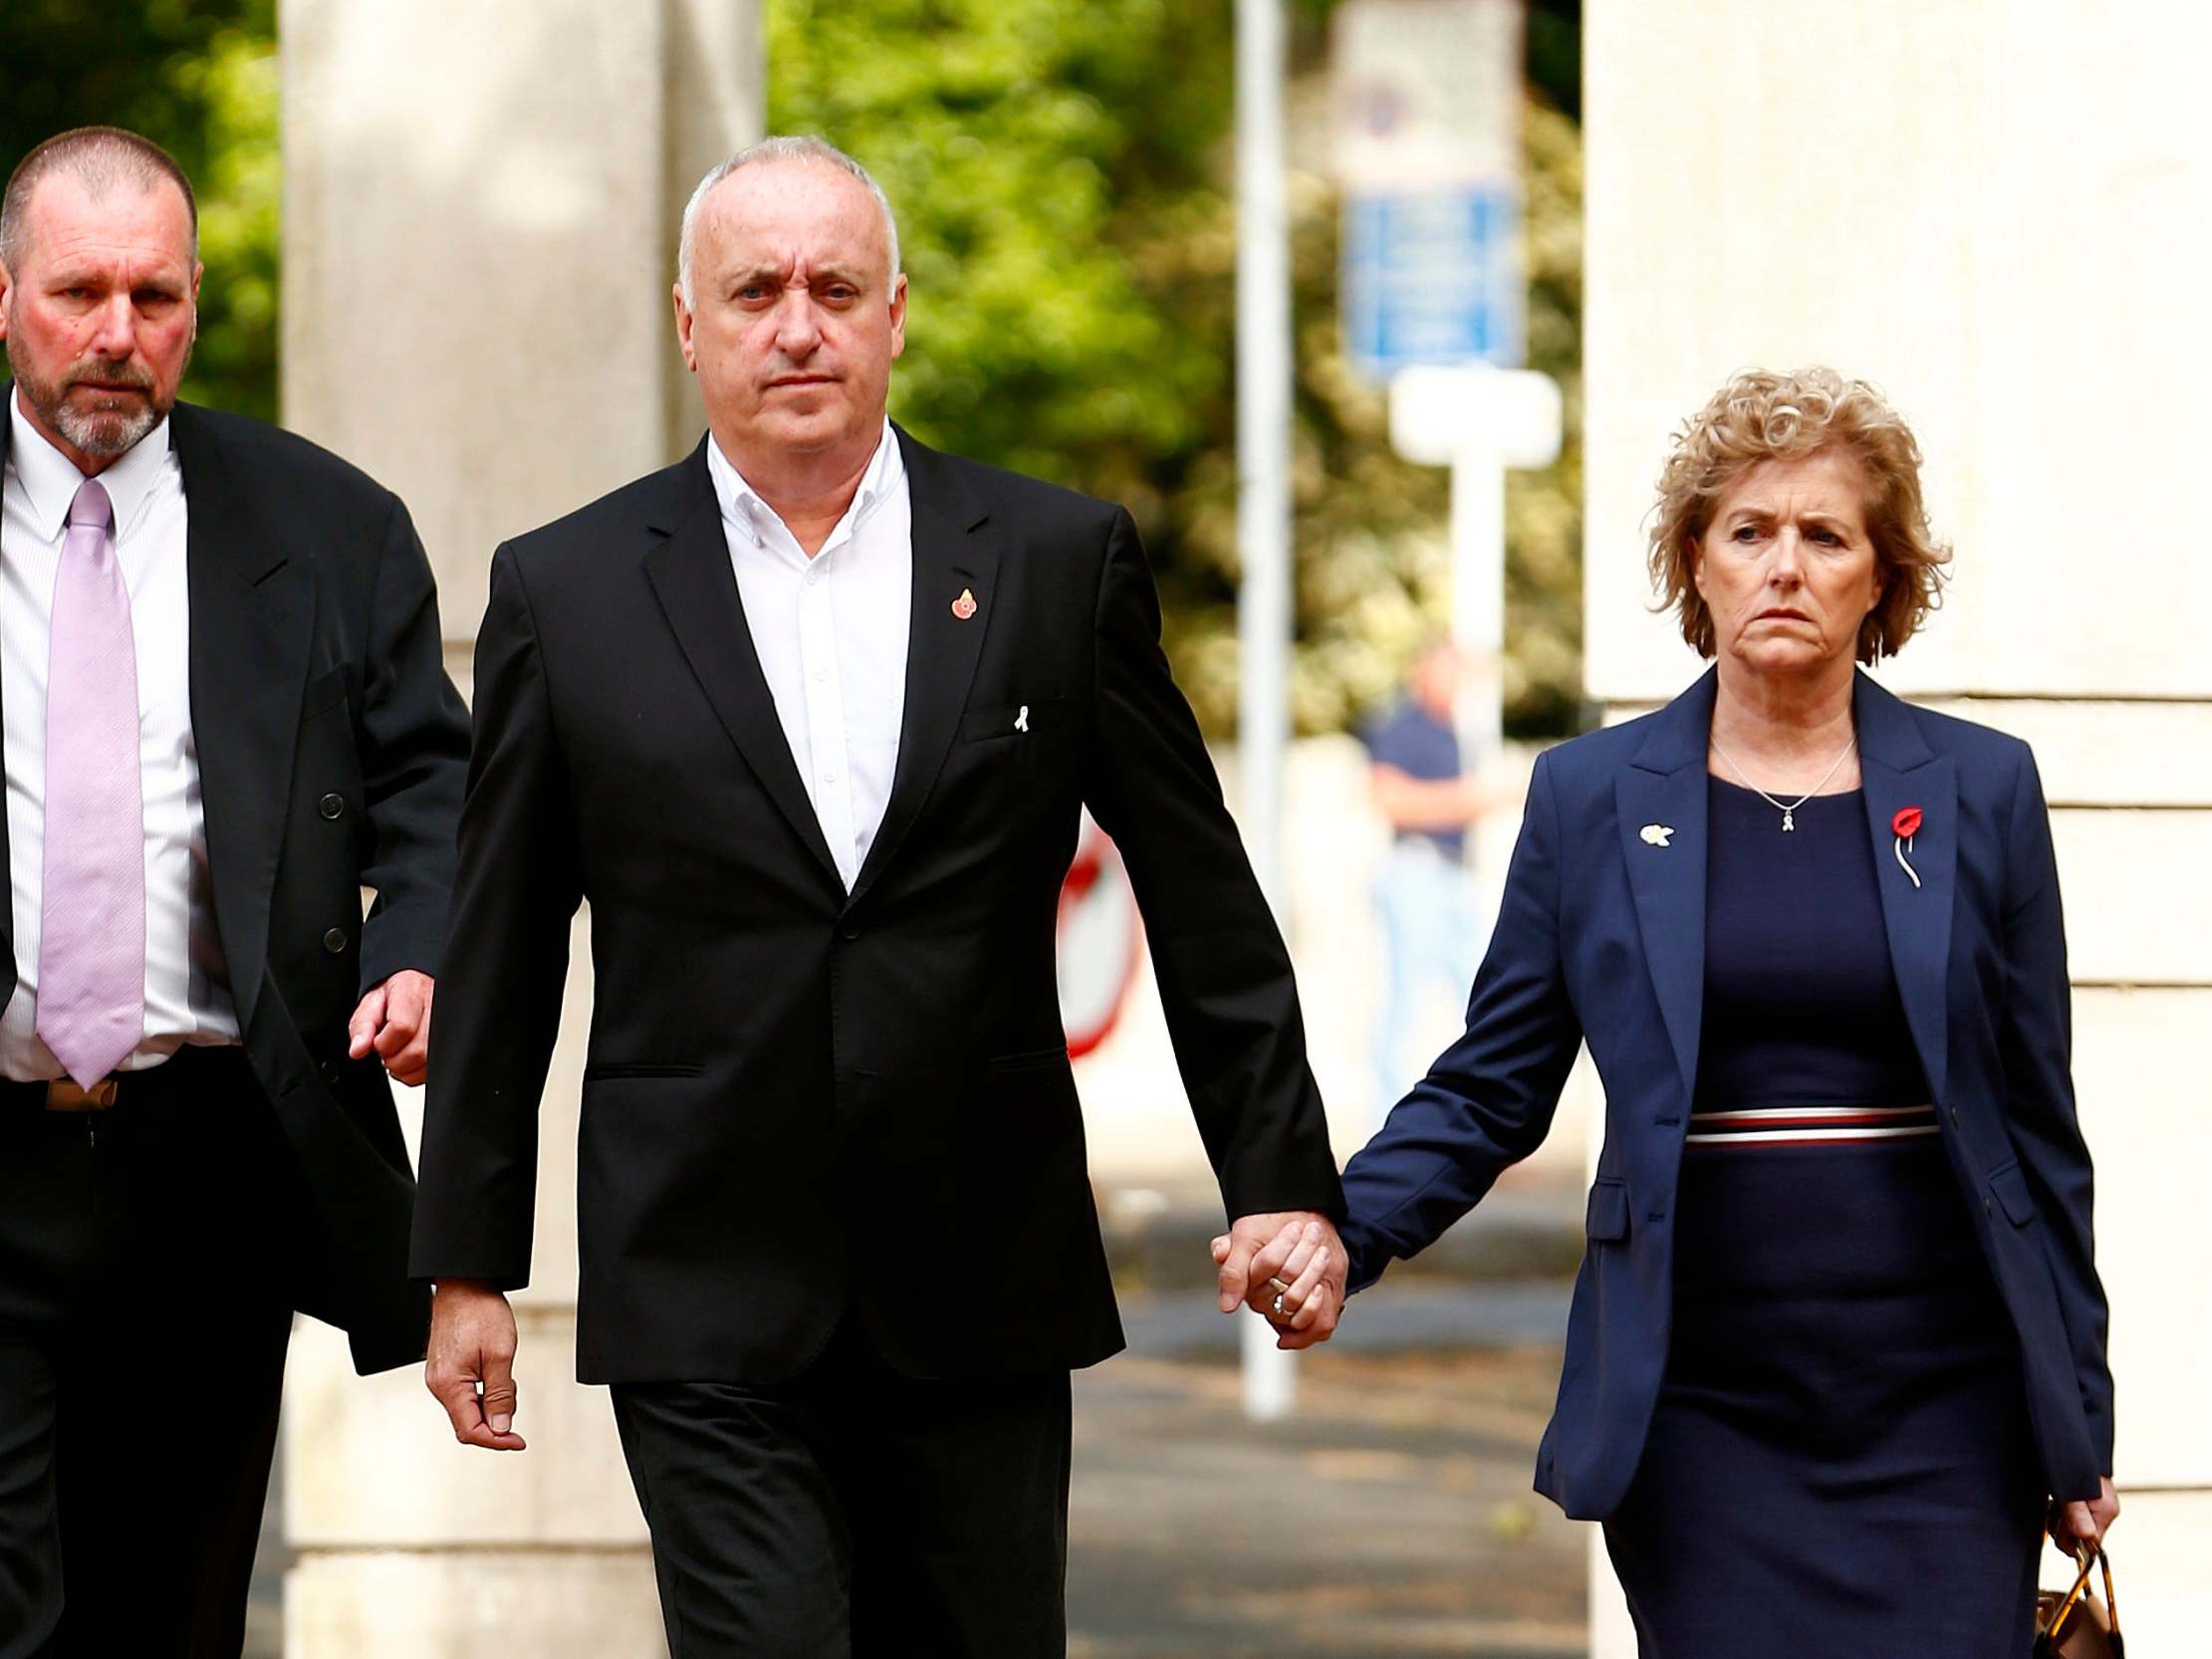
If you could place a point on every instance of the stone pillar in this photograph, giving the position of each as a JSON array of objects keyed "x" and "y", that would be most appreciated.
[
  {"x": 2000, "y": 214},
  {"x": 480, "y": 225}
]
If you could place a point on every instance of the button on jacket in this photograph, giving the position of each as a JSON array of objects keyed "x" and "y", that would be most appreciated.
[
  {"x": 330, "y": 750},
  {"x": 797, "y": 1096}
]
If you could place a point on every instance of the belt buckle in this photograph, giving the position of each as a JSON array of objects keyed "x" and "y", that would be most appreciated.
[{"x": 67, "y": 1094}]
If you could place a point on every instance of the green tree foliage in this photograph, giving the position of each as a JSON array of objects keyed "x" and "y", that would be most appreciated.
[
  {"x": 1063, "y": 172},
  {"x": 198, "y": 77}
]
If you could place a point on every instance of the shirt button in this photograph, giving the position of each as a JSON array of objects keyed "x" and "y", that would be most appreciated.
[
  {"x": 334, "y": 941},
  {"x": 332, "y": 806},
  {"x": 828, "y": 777},
  {"x": 821, "y": 676}
]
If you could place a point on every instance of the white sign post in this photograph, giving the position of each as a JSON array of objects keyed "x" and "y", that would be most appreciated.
[
  {"x": 1428, "y": 148},
  {"x": 1264, "y": 599},
  {"x": 1478, "y": 421}
]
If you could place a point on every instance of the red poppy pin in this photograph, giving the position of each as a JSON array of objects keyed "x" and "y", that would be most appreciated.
[{"x": 1904, "y": 827}]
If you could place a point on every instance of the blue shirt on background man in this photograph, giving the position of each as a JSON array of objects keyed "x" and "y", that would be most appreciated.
[{"x": 1426, "y": 749}]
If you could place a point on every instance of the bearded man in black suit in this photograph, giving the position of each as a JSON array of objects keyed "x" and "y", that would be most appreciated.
[
  {"x": 225, "y": 714},
  {"x": 809, "y": 719}
]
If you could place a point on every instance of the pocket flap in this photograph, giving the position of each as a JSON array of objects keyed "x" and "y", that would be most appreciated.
[
  {"x": 1039, "y": 714},
  {"x": 1608, "y": 1210},
  {"x": 2011, "y": 1188}
]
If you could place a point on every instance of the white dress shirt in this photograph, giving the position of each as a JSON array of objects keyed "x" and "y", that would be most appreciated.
[
  {"x": 830, "y": 635},
  {"x": 187, "y": 990}
]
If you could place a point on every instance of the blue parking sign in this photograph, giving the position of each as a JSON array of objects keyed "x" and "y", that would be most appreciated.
[{"x": 1433, "y": 277}]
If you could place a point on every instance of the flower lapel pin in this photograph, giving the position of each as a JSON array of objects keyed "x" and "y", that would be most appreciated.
[
  {"x": 964, "y": 607},
  {"x": 1904, "y": 827},
  {"x": 1658, "y": 834}
]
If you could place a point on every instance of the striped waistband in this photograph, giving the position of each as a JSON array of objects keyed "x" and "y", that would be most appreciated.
[{"x": 1750, "y": 1127}]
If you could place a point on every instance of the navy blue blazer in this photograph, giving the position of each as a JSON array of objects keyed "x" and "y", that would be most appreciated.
[{"x": 1601, "y": 938}]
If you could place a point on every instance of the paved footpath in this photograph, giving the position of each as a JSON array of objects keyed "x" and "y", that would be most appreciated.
[{"x": 1390, "y": 1516}]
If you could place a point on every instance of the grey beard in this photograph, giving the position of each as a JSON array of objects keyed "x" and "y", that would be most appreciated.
[{"x": 104, "y": 434}]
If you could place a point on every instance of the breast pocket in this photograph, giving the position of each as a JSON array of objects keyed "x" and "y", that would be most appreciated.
[
  {"x": 325, "y": 692},
  {"x": 1043, "y": 718}
]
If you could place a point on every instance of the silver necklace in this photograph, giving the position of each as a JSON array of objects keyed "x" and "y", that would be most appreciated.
[{"x": 1788, "y": 809}]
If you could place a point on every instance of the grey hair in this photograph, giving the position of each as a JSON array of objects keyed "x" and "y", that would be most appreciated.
[
  {"x": 801, "y": 147},
  {"x": 101, "y": 158}
]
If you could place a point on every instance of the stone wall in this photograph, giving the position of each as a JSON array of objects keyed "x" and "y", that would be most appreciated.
[{"x": 1999, "y": 212}]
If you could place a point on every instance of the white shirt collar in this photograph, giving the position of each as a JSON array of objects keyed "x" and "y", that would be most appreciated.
[
  {"x": 743, "y": 508},
  {"x": 51, "y": 480}
]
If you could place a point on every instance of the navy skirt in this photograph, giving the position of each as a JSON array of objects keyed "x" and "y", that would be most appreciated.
[{"x": 1840, "y": 1464}]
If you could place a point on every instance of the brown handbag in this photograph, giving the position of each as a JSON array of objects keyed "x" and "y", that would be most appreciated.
[{"x": 2073, "y": 1625}]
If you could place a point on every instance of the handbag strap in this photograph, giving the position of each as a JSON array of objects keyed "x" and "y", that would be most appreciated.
[{"x": 2090, "y": 1561}]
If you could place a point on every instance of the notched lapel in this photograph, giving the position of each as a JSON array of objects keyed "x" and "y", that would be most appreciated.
[
  {"x": 954, "y": 553},
  {"x": 698, "y": 590},
  {"x": 252, "y": 634},
  {"x": 1669, "y": 884},
  {"x": 1664, "y": 785},
  {"x": 1918, "y": 919},
  {"x": 1898, "y": 768}
]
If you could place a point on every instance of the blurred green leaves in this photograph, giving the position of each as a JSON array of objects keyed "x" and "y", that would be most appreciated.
[
  {"x": 200, "y": 80},
  {"x": 1064, "y": 175},
  {"x": 1063, "y": 171}
]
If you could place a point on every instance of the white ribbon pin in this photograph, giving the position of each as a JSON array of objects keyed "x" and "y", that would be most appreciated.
[
  {"x": 1656, "y": 834},
  {"x": 1021, "y": 720}
]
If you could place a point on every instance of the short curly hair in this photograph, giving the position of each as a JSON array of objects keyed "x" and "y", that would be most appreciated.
[{"x": 1762, "y": 417}]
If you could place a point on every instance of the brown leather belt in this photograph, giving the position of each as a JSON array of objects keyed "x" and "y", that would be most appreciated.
[
  {"x": 65, "y": 1094},
  {"x": 187, "y": 1068}
]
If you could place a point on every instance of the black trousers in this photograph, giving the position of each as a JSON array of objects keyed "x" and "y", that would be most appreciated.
[
  {"x": 144, "y": 1311},
  {"x": 856, "y": 1512}
]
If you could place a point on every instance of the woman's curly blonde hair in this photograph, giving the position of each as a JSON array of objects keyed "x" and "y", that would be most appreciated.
[{"x": 1762, "y": 417}]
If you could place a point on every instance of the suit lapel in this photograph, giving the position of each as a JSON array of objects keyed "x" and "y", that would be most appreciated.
[
  {"x": 692, "y": 577},
  {"x": 1899, "y": 769},
  {"x": 953, "y": 555},
  {"x": 251, "y": 630},
  {"x": 1663, "y": 788}
]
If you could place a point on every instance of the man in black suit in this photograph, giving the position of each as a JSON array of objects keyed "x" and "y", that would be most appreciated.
[
  {"x": 225, "y": 714},
  {"x": 810, "y": 718}
]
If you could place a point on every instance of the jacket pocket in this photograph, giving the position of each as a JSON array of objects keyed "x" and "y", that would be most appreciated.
[
  {"x": 326, "y": 690},
  {"x": 1607, "y": 1219},
  {"x": 2010, "y": 1187},
  {"x": 1044, "y": 715},
  {"x": 622, "y": 1069}
]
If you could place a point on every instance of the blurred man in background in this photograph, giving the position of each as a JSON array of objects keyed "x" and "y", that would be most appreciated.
[
  {"x": 1430, "y": 796},
  {"x": 224, "y": 715}
]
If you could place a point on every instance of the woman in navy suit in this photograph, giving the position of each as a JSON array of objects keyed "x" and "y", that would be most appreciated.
[{"x": 1837, "y": 1351}]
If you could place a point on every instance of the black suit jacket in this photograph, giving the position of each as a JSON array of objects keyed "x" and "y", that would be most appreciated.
[
  {"x": 798, "y": 1101},
  {"x": 331, "y": 752}
]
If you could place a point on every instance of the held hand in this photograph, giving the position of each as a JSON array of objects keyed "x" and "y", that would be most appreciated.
[
  {"x": 2077, "y": 1524},
  {"x": 471, "y": 1369},
  {"x": 394, "y": 1021},
  {"x": 1301, "y": 1253}
]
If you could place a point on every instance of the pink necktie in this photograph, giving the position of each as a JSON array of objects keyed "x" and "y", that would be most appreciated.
[{"x": 93, "y": 935}]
